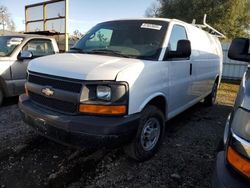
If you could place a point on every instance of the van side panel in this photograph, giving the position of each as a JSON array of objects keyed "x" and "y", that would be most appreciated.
[
  {"x": 220, "y": 53},
  {"x": 205, "y": 59}
]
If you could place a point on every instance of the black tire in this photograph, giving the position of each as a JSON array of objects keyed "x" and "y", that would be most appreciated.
[
  {"x": 211, "y": 98},
  {"x": 220, "y": 146},
  {"x": 138, "y": 149},
  {"x": 1, "y": 97}
]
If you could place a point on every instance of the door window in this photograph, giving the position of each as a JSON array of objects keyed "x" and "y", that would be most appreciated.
[
  {"x": 178, "y": 33},
  {"x": 39, "y": 47}
]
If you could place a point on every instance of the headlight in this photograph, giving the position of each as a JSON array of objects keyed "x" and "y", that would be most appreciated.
[
  {"x": 103, "y": 93},
  {"x": 238, "y": 150},
  {"x": 241, "y": 123},
  {"x": 106, "y": 98}
]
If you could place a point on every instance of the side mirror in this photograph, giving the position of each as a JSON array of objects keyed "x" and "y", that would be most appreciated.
[
  {"x": 239, "y": 50},
  {"x": 183, "y": 50},
  {"x": 25, "y": 55}
]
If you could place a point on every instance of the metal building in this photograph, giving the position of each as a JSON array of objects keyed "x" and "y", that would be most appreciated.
[{"x": 232, "y": 70}]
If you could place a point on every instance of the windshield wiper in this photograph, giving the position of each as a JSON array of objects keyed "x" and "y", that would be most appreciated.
[
  {"x": 76, "y": 49},
  {"x": 100, "y": 51},
  {"x": 109, "y": 52}
]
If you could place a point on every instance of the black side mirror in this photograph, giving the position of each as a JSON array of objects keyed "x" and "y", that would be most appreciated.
[
  {"x": 239, "y": 50},
  {"x": 183, "y": 50},
  {"x": 25, "y": 55}
]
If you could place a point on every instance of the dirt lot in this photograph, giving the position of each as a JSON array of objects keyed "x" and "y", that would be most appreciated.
[{"x": 186, "y": 158}]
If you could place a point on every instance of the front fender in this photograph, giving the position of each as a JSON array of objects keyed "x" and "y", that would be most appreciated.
[{"x": 147, "y": 100}]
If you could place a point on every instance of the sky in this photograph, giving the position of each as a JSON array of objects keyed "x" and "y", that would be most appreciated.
[{"x": 84, "y": 14}]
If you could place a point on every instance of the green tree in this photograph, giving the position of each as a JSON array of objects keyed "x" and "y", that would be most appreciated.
[
  {"x": 231, "y": 17},
  {"x": 153, "y": 10}
]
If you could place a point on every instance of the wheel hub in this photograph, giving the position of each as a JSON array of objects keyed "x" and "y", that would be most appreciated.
[{"x": 150, "y": 134}]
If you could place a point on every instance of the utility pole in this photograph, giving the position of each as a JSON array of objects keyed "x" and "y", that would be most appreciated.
[
  {"x": 3, "y": 12},
  {"x": 66, "y": 25}
]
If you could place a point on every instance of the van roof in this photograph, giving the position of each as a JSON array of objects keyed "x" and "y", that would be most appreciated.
[{"x": 156, "y": 19}]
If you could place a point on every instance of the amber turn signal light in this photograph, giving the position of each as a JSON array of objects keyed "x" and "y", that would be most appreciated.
[
  {"x": 238, "y": 162},
  {"x": 104, "y": 110}
]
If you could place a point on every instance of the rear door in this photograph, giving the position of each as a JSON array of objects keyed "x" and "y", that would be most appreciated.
[
  {"x": 39, "y": 48},
  {"x": 180, "y": 73}
]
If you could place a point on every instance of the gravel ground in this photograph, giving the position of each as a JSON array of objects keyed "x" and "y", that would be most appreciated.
[{"x": 186, "y": 158}]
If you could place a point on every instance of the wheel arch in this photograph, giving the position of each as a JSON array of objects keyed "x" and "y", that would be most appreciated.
[
  {"x": 217, "y": 79},
  {"x": 159, "y": 100}
]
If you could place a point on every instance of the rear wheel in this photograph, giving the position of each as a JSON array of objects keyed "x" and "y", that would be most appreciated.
[
  {"x": 211, "y": 98},
  {"x": 149, "y": 135}
]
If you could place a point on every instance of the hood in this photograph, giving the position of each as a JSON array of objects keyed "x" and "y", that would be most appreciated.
[
  {"x": 81, "y": 66},
  {"x": 243, "y": 98}
]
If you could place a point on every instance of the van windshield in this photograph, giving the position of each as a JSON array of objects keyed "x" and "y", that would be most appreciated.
[
  {"x": 8, "y": 45},
  {"x": 140, "y": 39}
]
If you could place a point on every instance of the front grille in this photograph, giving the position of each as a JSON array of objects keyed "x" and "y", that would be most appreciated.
[
  {"x": 51, "y": 103},
  {"x": 71, "y": 86}
]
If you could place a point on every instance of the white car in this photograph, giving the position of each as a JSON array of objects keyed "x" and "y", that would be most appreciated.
[{"x": 121, "y": 82}]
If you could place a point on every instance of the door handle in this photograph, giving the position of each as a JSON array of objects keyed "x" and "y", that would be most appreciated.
[{"x": 191, "y": 68}]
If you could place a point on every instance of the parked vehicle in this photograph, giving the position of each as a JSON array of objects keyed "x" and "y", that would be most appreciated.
[
  {"x": 15, "y": 53},
  {"x": 233, "y": 162},
  {"x": 121, "y": 82}
]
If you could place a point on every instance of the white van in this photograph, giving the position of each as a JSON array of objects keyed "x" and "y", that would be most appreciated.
[{"x": 121, "y": 82}]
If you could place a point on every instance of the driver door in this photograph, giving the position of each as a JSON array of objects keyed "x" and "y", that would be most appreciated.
[{"x": 180, "y": 74}]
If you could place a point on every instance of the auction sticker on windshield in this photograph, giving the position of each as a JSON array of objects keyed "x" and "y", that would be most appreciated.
[{"x": 151, "y": 26}]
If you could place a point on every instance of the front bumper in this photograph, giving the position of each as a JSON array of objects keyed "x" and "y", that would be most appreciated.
[
  {"x": 79, "y": 130},
  {"x": 224, "y": 177}
]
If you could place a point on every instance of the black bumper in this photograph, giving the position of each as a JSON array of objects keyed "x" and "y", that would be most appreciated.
[
  {"x": 224, "y": 177},
  {"x": 79, "y": 130}
]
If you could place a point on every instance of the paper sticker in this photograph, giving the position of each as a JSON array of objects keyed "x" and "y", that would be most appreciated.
[{"x": 151, "y": 26}]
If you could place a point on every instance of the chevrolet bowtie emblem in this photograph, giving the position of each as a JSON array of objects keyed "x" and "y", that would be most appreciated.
[{"x": 48, "y": 92}]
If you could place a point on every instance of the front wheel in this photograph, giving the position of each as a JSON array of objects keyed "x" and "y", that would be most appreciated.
[
  {"x": 211, "y": 98},
  {"x": 149, "y": 135}
]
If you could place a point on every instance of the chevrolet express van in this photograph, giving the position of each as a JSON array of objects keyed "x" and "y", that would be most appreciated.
[{"x": 121, "y": 82}]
